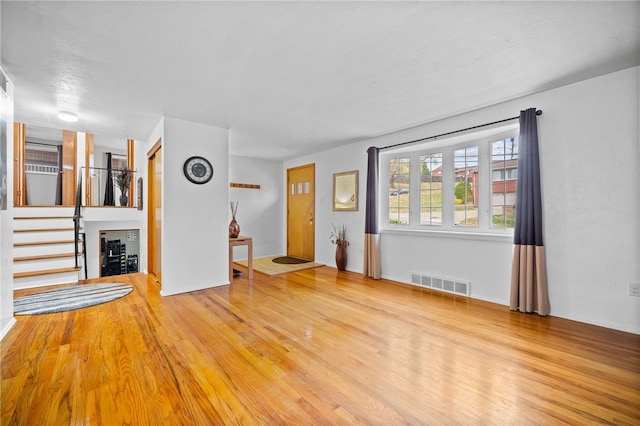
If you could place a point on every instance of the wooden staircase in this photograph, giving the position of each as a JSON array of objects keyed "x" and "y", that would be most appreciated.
[{"x": 43, "y": 247}]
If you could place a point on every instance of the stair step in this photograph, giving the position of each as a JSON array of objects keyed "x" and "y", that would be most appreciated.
[
  {"x": 45, "y": 272},
  {"x": 42, "y": 217},
  {"x": 43, "y": 230},
  {"x": 41, "y": 237},
  {"x": 37, "y": 223},
  {"x": 44, "y": 256},
  {"x": 43, "y": 206},
  {"x": 45, "y": 263},
  {"x": 39, "y": 243},
  {"x": 44, "y": 249}
]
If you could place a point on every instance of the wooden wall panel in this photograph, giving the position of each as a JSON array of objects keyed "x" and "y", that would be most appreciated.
[
  {"x": 131, "y": 165},
  {"x": 19, "y": 178},
  {"x": 88, "y": 164},
  {"x": 69, "y": 179}
]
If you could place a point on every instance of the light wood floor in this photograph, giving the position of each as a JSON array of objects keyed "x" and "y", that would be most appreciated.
[{"x": 313, "y": 347}]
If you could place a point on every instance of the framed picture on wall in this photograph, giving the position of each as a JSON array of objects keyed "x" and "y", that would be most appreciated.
[{"x": 345, "y": 191}]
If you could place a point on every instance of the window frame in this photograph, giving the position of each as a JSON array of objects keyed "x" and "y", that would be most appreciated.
[{"x": 483, "y": 140}]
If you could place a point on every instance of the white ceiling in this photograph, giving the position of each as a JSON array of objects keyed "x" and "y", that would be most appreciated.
[{"x": 290, "y": 78}]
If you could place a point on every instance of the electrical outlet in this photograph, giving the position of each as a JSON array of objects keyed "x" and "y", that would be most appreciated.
[{"x": 634, "y": 289}]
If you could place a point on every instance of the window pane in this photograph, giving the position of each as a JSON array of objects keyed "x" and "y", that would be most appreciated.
[
  {"x": 504, "y": 161},
  {"x": 466, "y": 187},
  {"x": 399, "y": 190},
  {"x": 431, "y": 189},
  {"x": 118, "y": 162}
]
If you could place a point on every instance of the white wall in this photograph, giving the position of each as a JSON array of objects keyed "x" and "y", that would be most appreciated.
[
  {"x": 195, "y": 218},
  {"x": 589, "y": 148},
  {"x": 41, "y": 189},
  {"x": 591, "y": 197},
  {"x": 260, "y": 211},
  {"x": 6, "y": 223}
]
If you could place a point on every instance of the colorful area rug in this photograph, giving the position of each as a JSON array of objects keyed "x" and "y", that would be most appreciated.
[
  {"x": 266, "y": 265},
  {"x": 68, "y": 298}
]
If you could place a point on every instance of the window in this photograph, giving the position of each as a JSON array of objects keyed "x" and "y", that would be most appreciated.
[
  {"x": 504, "y": 166},
  {"x": 466, "y": 187},
  {"x": 118, "y": 162},
  {"x": 431, "y": 189},
  {"x": 41, "y": 158},
  {"x": 464, "y": 184},
  {"x": 398, "y": 172}
]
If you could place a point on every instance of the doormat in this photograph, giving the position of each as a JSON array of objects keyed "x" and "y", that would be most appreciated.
[
  {"x": 268, "y": 267},
  {"x": 69, "y": 298},
  {"x": 289, "y": 260}
]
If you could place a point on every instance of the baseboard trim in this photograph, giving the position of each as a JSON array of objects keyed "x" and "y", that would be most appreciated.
[{"x": 8, "y": 327}]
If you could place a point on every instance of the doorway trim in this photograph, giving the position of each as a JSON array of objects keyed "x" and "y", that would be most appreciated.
[{"x": 154, "y": 241}]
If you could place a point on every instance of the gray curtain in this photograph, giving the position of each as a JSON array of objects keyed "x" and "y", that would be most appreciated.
[
  {"x": 371, "y": 230},
  {"x": 109, "y": 200},
  {"x": 529, "y": 292}
]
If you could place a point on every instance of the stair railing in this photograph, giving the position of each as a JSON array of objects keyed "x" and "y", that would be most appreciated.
[{"x": 76, "y": 227}]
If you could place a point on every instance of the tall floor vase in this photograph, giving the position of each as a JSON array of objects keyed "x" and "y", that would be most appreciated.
[{"x": 341, "y": 257}]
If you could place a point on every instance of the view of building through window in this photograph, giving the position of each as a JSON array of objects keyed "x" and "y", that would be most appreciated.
[
  {"x": 504, "y": 176},
  {"x": 447, "y": 186},
  {"x": 466, "y": 194}
]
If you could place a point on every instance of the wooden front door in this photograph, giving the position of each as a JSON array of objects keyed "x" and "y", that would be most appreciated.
[
  {"x": 301, "y": 211},
  {"x": 154, "y": 211}
]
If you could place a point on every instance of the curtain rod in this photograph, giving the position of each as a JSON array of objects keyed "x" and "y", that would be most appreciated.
[
  {"x": 112, "y": 169},
  {"x": 538, "y": 112}
]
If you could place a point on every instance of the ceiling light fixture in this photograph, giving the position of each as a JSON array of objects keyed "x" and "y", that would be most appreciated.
[{"x": 67, "y": 116}]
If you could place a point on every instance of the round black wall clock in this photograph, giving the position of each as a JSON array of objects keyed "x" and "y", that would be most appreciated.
[{"x": 198, "y": 170}]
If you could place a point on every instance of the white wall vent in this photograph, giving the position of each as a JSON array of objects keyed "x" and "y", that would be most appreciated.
[{"x": 447, "y": 285}]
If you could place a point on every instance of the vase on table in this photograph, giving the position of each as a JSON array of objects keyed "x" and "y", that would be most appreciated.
[{"x": 234, "y": 227}]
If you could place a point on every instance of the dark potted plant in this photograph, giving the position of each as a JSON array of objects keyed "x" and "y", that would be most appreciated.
[
  {"x": 339, "y": 238},
  {"x": 123, "y": 180}
]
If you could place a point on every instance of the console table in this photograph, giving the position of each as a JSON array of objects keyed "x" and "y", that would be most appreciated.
[{"x": 241, "y": 241}]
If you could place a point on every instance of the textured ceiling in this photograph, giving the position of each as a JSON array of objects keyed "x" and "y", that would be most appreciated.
[{"x": 290, "y": 78}]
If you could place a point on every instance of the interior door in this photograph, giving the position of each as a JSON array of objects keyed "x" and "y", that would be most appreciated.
[
  {"x": 154, "y": 211},
  {"x": 301, "y": 211}
]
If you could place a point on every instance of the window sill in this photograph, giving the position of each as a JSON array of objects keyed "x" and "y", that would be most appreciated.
[{"x": 480, "y": 236}]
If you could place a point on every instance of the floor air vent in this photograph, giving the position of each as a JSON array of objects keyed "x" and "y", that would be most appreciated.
[{"x": 448, "y": 285}]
